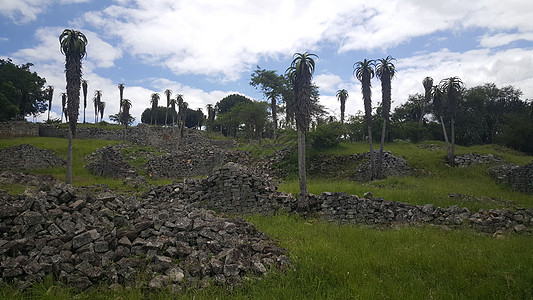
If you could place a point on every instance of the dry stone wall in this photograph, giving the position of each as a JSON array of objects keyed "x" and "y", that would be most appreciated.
[
  {"x": 24, "y": 157},
  {"x": 109, "y": 162},
  {"x": 392, "y": 166},
  {"x": 519, "y": 178},
  {"x": 476, "y": 159},
  {"x": 18, "y": 128}
]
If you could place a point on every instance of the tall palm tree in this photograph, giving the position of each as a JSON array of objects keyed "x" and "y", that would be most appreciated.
[
  {"x": 342, "y": 96},
  {"x": 121, "y": 93},
  {"x": 50, "y": 94},
  {"x": 452, "y": 86},
  {"x": 300, "y": 73},
  {"x": 385, "y": 71},
  {"x": 73, "y": 45},
  {"x": 210, "y": 115},
  {"x": 179, "y": 102},
  {"x": 125, "y": 105},
  {"x": 63, "y": 106},
  {"x": 97, "y": 100},
  {"x": 154, "y": 100},
  {"x": 438, "y": 96},
  {"x": 167, "y": 93},
  {"x": 364, "y": 72},
  {"x": 84, "y": 85},
  {"x": 428, "y": 85}
]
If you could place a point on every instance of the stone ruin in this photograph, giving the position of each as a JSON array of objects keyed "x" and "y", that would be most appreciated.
[
  {"x": 476, "y": 159},
  {"x": 392, "y": 166},
  {"x": 519, "y": 178},
  {"x": 109, "y": 162},
  {"x": 24, "y": 157},
  {"x": 85, "y": 239}
]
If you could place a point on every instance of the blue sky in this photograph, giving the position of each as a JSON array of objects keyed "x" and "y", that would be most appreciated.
[{"x": 207, "y": 49}]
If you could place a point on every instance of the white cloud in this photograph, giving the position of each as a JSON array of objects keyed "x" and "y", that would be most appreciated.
[
  {"x": 23, "y": 11},
  {"x": 328, "y": 82},
  {"x": 501, "y": 39}
]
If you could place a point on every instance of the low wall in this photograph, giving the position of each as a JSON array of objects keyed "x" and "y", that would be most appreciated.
[{"x": 19, "y": 128}]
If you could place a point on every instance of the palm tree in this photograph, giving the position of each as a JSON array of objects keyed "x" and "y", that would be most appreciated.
[
  {"x": 73, "y": 45},
  {"x": 300, "y": 73},
  {"x": 50, "y": 91},
  {"x": 179, "y": 101},
  {"x": 210, "y": 115},
  {"x": 385, "y": 71},
  {"x": 428, "y": 85},
  {"x": 125, "y": 105},
  {"x": 438, "y": 96},
  {"x": 97, "y": 100},
  {"x": 364, "y": 72},
  {"x": 154, "y": 100},
  {"x": 452, "y": 86},
  {"x": 342, "y": 96},
  {"x": 84, "y": 85},
  {"x": 168, "y": 93},
  {"x": 121, "y": 92},
  {"x": 101, "y": 108},
  {"x": 63, "y": 106}
]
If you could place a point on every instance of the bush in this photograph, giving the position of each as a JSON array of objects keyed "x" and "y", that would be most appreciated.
[{"x": 326, "y": 135}]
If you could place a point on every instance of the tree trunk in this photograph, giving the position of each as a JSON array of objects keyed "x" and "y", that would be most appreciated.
[
  {"x": 68, "y": 179},
  {"x": 451, "y": 157},
  {"x": 445, "y": 138},
  {"x": 380, "y": 157},
  {"x": 274, "y": 117},
  {"x": 372, "y": 161},
  {"x": 303, "y": 201}
]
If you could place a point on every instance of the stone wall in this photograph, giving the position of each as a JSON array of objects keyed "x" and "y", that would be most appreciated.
[
  {"x": 24, "y": 157},
  {"x": 519, "y": 178},
  {"x": 18, "y": 128},
  {"x": 109, "y": 162},
  {"x": 476, "y": 159},
  {"x": 84, "y": 239}
]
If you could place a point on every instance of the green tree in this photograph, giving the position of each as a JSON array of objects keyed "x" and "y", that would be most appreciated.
[
  {"x": 84, "y": 86},
  {"x": 50, "y": 94},
  {"x": 210, "y": 117},
  {"x": 453, "y": 87},
  {"x": 364, "y": 72},
  {"x": 154, "y": 100},
  {"x": 156, "y": 118},
  {"x": 121, "y": 95},
  {"x": 272, "y": 87},
  {"x": 125, "y": 104},
  {"x": 225, "y": 105},
  {"x": 168, "y": 93},
  {"x": 438, "y": 97},
  {"x": 96, "y": 100},
  {"x": 300, "y": 73},
  {"x": 101, "y": 108},
  {"x": 428, "y": 85},
  {"x": 73, "y": 45},
  {"x": 64, "y": 106},
  {"x": 342, "y": 96},
  {"x": 385, "y": 71}
]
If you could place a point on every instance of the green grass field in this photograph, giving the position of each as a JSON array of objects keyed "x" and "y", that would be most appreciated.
[{"x": 331, "y": 261}]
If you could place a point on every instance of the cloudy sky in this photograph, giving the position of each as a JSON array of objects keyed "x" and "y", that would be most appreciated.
[{"x": 207, "y": 49}]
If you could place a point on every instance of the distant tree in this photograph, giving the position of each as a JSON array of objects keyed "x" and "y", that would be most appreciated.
[
  {"x": 342, "y": 96},
  {"x": 84, "y": 86},
  {"x": 364, "y": 72},
  {"x": 121, "y": 95},
  {"x": 272, "y": 87},
  {"x": 157, "y": 118},
  {"x": 385, "y": 71},
  {"x": 50, "y": 92},
  {"x": 73, "y": 45},
  {"x": 63, "y": 106},
  {"x": 222, "y": 107},
  {"x": 168, "y": 93},
  {"x": 101, "y": 108},
  {"x": 173, "y": 103},
  {"x": 97, "y": 99},
  {"x": 154, "y": 100},
  {"x": 438, "y": 97},
  {"x": 300, "y": 73},
  {"x": 428, "y": 85},
  {"x": 210, "y": 117},
  {"x": 453, "y": 87},
  {"x": 126, "y": 105}
]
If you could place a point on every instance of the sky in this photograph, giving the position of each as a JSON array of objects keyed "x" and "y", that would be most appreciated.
[{"x": 208, "y": 49}]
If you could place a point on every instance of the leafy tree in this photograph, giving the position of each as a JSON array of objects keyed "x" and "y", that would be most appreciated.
[
  {"x": 342, "y": 96},
  {"x": 428, "y": 85},
  {"x": 121, "y": 93},
  {"x": 300, "y": 74},
  {"x": 168, "y": 93},
  {"x": 226, "y": 126},
  {"x": 22, "y": 89},
  {"x": 101, "y": 108},
  {"x": 453, "y": 87},
  {"x": 7, "y": 109},
  {"x": 438, "y": 97},
  {"x": 156, "y": 118},
  {"x": 50, "y": 94},
  {"x": 73, "y": 45},
  {"x": 154, "y": 100},
  {"x": 517, "y": 132},
  {"x": 364, "y": 72},
  {"x": 326, "y": 135},
  {"x": 194, "y": 118},
  {"x": 272, "y": 87},
  {"x": 385, "y": 71},
  {"x": 210, "y": 117},
  {"x": 84, "y": 86}
]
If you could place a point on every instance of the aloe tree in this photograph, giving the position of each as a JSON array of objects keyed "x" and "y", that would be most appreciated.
[
  {"x": 121, "y": 96},
  {"x": 438, "y": 97},
  {"x": 95, "y": 102},
  {"x": 125, "y": 105},
  {"x": 84, "y": 86},
  {"x": 428, "y": 85},
  {"x": 73, "y": 45},
  {"x": 210, "y": 116},
  {"x": 179, "y": 102},
  {"x": 385, "y": 71},
  {"x": 63, "y": 105},
  {"x": 101, "y": 108},
  {"x": 98, "y": 100},
  {"x": 154, "y": 100},
  {"x": 452, "y": 86},
  {"x": 364, "y": 72},
  {"x": 300, "y": 74},
  {"x": 50, "y": 94},
  {"x": 168, "y": 93},
  {"x": 342, "y": 96}
]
